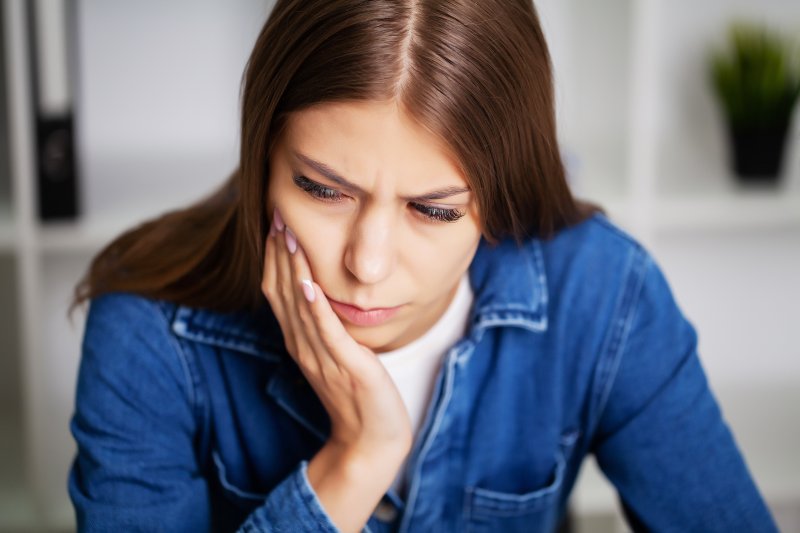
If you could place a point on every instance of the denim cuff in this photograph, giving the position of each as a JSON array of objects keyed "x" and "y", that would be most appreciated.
[{"x": 291, "y": 506}]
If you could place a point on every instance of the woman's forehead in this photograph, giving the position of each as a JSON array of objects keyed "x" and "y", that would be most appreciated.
[{"x": 363, "y": 140}]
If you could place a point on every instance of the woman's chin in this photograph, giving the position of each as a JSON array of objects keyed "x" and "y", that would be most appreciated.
[{"x": 375, "y": 338}]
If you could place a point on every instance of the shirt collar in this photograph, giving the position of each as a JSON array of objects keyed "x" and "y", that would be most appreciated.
[{"x": 508, "y": 281}]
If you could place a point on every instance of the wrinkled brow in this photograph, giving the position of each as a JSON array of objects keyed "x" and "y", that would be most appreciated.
[{"x": 335, "y": 177}]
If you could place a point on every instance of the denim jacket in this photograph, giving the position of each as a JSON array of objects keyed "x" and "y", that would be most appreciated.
[{"x": 193, "y": 420}]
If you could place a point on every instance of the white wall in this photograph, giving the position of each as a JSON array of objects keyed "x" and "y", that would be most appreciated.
[
  {"x": 742, "y": 291},
  {"x": 159, "y": 97}
]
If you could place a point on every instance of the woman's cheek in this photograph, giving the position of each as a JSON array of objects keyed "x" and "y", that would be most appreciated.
[{"x": 321, "y": 254}]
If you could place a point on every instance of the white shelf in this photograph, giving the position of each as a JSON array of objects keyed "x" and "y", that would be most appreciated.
[
  {"x": 85, "y": 236},
  {"x": 729, "y": 210}
]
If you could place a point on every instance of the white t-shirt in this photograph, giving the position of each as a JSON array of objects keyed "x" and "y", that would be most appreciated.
[{"x": 414, "y": 367}]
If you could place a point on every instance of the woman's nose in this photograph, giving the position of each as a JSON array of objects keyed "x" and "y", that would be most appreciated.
[{"x": 370, "y": 253}]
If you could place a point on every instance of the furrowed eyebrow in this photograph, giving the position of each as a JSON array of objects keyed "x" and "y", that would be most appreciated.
[{"x": 334, "y": 176}]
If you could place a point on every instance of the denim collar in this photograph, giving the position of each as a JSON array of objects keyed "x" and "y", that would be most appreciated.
[{"x": 509, "y": 283}]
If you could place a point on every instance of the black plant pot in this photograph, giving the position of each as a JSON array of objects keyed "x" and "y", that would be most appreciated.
[{"x": 758, "y": 153}]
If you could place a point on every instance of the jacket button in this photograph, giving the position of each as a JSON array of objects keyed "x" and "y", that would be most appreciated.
[{"x": 385, "y": 511}]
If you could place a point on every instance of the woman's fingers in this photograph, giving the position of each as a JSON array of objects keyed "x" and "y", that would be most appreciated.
[
  {"x": 302, "y": 286},
  {"x": 287, "y": 292},
  {"x": 325, "y": 324},
  {"x": 313, "y": 332},
  {"x": 269, "y": 286}
]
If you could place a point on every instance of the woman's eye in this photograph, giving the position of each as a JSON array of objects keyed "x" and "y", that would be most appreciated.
[
  {"x": 316, "y": 190},
  {"x": 326, "y": 194},
  {"x": 438, "y": 214}
]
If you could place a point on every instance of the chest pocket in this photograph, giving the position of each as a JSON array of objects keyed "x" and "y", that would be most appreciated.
[
  {"x": 239, "y": 496},
  {"x": 536, "y": 510}
]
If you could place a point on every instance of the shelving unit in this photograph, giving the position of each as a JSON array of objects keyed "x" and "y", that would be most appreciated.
[
  {"x": 638, "y": 128},
  {"x": 178, "y": 66}
]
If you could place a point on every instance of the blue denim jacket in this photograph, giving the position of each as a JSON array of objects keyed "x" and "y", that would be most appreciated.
[{"x": 192, "y": 420}]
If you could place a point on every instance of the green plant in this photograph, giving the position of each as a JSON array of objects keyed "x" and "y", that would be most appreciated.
[{"x": 757, "y": 80}]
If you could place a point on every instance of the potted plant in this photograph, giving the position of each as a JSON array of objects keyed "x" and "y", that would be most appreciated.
[{"x": 757, "y": 83}]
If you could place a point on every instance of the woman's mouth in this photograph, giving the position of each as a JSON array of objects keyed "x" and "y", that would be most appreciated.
[{"x": 361, "y": 317}]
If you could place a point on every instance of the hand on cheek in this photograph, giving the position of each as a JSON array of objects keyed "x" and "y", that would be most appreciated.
[{"x": 365, "y": 407}]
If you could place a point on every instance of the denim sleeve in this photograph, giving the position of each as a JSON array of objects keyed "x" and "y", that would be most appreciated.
[
  {"x": 661, "y": 438},
  {"x": 134, "y": 424}
]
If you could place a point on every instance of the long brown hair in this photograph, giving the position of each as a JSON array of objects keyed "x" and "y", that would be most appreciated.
[{"x": 477, "y": 74}]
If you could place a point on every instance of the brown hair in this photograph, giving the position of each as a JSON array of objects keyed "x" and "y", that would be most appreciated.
[{"x": 475, "y": 74}]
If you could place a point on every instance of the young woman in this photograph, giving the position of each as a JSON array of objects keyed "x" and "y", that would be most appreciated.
[{"x": 393, "y": 316}]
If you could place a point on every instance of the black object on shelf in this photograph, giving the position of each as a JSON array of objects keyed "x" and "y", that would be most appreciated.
[
  {"x": 758, "y": 153},
  {"x": 52, "y": 65},
  {"x": 58, "y": 180}
]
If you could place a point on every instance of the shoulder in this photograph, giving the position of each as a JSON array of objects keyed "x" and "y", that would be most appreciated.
[
  {"x": 600, "y": 277},
  {"x": 596, "y": 242},
  {"x": 128, "y": 321},
  {"x": 128, "y": 340},
  {"x": 139, "y": 309},
  {"x": 592, "y": 265},
  {"x": 145, "y": 323}
]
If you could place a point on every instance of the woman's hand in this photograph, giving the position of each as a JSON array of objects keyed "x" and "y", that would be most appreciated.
[{"x": 369, "y": 422}]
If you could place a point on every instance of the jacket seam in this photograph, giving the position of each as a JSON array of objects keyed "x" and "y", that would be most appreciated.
[
  {"x": 188, "y": 375},
  {"x": 609, "y": 365}
]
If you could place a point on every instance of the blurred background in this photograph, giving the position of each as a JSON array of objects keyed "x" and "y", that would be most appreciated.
[{"x": 115, "y": 111}]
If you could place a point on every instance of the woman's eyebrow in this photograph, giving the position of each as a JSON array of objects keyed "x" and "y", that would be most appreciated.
[{"x": 332, "y": 175}]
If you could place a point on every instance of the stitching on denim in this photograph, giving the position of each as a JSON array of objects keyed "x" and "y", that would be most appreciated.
[
  {"x": 486, "y": 502},
  {"x": 530, "y": 316},
  {"x": 437, "y": 422},
  {"x": 630, "y": 299},
  {"x": 223, "y": 478},
  {"x": 228, "y": 342},
  {"x": 538, "y": 256},
  {"x": 187, "y": 372},
  {"x": 221, "y": 341},
  {"x": 491, "y": 320},
  {"x": 238, "y": 342},
  {"x": 504, "y": 307},
  {"x": 464, "y": 352}
]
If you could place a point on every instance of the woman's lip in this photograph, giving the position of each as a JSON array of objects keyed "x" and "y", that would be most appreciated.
[{"x": 359, "y": 317}]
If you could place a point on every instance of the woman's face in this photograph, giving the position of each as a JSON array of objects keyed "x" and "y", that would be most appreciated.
[{"x": 383, "y": 214}]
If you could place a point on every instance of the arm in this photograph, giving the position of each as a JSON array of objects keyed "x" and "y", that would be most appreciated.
[
  {"x": 336, "y": 488},
  {"x": 661, "y": 439},
  {"x": 136, "y": 468}
]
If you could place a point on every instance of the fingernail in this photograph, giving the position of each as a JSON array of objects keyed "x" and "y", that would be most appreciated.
[
  {"x": 272, "y": 230},
  {"x": 291, "y": 241},
  {"x": 277, "y": 219},
  {"x": 308, "y": 290}
]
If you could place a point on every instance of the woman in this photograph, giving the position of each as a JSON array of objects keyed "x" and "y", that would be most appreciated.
[{"x": 394, "y": 315}]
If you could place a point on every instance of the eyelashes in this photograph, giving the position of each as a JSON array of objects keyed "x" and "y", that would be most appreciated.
[
  {"x": 327, "y": 194},
  {"x": 316, "y": 190}
]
